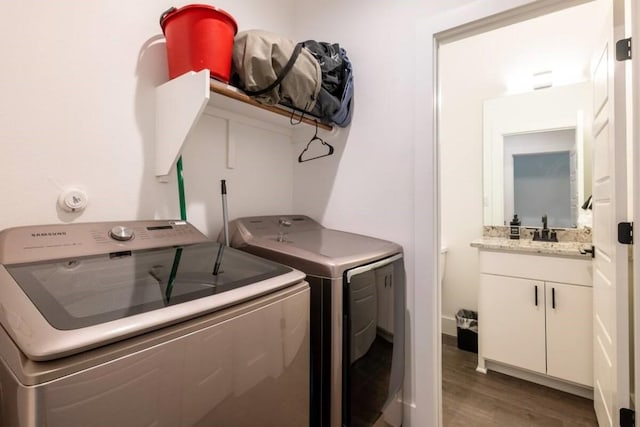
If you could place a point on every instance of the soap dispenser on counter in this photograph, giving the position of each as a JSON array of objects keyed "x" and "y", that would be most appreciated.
[{"x": 514, "y": 228}]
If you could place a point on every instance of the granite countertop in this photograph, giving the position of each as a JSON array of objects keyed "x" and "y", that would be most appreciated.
[{"x": 571, "y": 249}]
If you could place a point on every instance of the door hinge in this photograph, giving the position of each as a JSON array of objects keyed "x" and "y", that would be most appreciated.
[
  {"x": 627, "y": 417},
  {"x": 623, "y": 49},
  {"x": 625, "y": 233}
]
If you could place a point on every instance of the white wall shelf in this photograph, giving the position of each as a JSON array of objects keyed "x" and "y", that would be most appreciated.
[{"x": 181, "y": 102}]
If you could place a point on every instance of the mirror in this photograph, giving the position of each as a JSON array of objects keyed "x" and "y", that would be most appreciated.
[{"x": 537, "y": 157}]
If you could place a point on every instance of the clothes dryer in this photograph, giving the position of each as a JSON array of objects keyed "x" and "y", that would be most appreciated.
[{"x": 357, "y": 314}]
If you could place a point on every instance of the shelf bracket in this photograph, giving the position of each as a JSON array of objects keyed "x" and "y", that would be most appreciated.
[{"x": 179, "y": 104}]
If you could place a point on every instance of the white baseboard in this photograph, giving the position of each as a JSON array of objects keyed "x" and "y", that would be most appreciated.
[
  {"x": 578, "y": 390},
  {"x": 449, "y": 326}
]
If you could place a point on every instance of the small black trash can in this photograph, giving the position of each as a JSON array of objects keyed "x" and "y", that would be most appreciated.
[{"x": 467, "y": 323}]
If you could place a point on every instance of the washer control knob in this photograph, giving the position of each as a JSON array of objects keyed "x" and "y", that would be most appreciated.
[{"x": 121, "y": 233}]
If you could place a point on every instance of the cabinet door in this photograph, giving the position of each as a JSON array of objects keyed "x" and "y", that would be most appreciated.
[
  {"x": 511, "y": 326},
  {"x": 569, "y": 332}
]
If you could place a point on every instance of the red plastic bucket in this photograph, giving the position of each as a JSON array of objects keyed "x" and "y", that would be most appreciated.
[{"x": 199, "y": 36}]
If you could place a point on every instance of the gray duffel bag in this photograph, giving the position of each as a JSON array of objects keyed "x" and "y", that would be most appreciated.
[{"x": 274, "y": 70}]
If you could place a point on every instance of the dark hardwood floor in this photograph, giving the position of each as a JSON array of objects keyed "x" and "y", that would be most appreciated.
[{"x": 472, "y": 399}]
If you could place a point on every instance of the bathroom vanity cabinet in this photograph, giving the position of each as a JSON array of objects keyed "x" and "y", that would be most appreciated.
[{"x": 535, "y": 315}]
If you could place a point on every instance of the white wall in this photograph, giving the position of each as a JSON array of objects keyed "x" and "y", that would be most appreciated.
[
  {"x": 77, "y": 109},
  {"x": 516, "y": 53},
  {"x": 260, "y": 182}
]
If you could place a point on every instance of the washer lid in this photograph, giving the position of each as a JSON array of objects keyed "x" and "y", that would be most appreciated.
[
  {"x": 81, "y": 292},
  {"x": 57, "y": 308}
]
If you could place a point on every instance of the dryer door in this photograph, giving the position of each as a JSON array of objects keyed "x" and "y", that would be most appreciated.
[{"x": 373, "y": 341}]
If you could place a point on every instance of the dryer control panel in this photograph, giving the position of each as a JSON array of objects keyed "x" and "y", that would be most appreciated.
[{"x": 263, "y": 226}]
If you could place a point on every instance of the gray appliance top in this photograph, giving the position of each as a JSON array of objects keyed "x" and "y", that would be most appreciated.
[
  {"x": 304, "y": 244},
  {"x": 65, "y": 288}
]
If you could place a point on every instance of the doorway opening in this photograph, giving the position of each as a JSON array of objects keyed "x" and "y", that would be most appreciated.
[{"x": 475, "y": 64}]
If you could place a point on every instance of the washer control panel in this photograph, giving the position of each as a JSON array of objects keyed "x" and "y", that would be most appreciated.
[
  {"x": 121, "y": 233},
  {"x": 59, "y": 241}
]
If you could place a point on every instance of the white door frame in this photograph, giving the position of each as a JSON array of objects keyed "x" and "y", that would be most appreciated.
[{"x": 425, "y": 392}]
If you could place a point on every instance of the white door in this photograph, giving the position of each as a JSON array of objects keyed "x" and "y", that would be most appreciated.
[{"x": 610, "y": 267}]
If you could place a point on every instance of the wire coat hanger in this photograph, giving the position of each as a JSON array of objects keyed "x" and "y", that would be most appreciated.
[
  {"x": 293, "y": 112},
  {"x": 315, "y": 137}
]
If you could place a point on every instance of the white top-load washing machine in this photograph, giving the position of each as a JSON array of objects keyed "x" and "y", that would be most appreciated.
[
  {"x": 357, "y": 314},
  {"x": 148, "y": 323}
]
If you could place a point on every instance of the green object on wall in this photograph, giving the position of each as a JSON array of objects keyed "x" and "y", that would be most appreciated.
[{"x": 183, "y": 205}]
